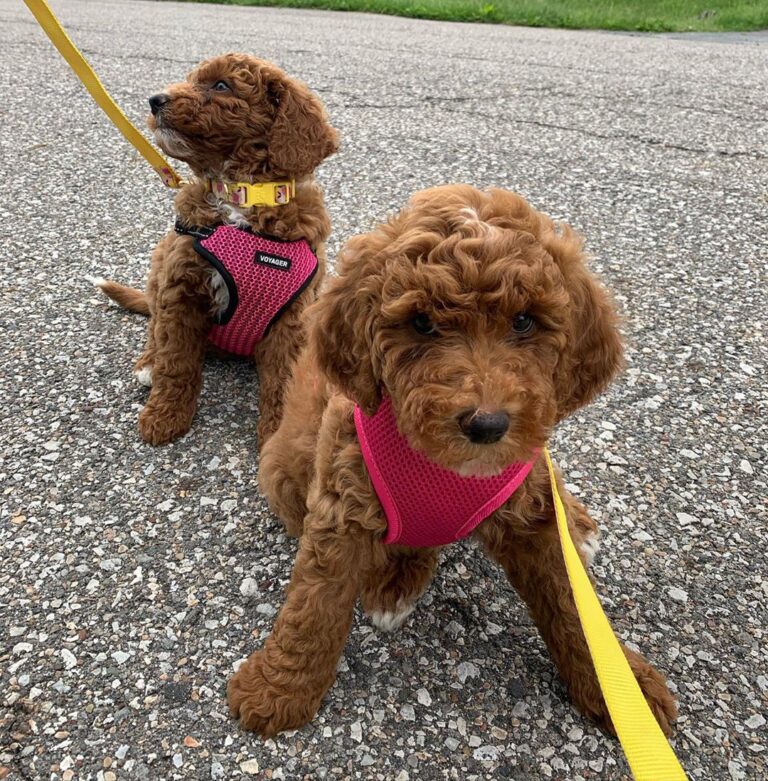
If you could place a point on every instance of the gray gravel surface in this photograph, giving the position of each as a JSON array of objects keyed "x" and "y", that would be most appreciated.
[{"x": 133, "y": 579}]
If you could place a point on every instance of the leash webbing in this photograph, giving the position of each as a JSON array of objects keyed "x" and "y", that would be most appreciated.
[
  {"x": 648, "y": 753},
  {"x": 53, "y": 29}
]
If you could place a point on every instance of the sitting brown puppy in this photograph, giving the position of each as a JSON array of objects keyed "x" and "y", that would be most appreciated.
[
  {"x": 469, "y": 322},
  {"x": 253, "y": 137}
]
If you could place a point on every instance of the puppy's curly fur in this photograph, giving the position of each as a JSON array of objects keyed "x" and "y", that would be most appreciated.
[
  {"x": 235, "y": 118},
  {"x": 472, "y": 262}
]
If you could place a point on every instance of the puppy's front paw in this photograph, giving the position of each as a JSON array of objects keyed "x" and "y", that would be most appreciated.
[
  {"x": 586, "y": 694},
  {"x": 263, "y": 708},
  {"x": 160, "y": 425},
  {"x": 654, "y": 686}
]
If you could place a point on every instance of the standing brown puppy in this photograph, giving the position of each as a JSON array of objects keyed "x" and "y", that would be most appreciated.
[
  {"x": 235, "y": 120},
  {"x": 474, "y": 319}
]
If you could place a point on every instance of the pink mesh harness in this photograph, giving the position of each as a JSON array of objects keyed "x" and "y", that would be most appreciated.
[
  {"x": 426, "y": 505},
  {"x": 263, "y": 275}
]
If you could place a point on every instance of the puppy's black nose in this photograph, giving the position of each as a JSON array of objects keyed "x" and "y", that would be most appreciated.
[
  {"x": 156, "y": 102},
  {"x": 484, "y": 428}
]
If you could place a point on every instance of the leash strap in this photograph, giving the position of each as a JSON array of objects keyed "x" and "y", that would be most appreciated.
[
  {"x": 53, "y": 29},
  {"x": 649, "y": 754}
]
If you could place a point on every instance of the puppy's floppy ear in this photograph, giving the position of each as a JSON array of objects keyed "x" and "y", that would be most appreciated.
[
  {"x": 593, "y": 352},
  {"x": 301, "y": 136},
  {"x": 343, "y": 323}
]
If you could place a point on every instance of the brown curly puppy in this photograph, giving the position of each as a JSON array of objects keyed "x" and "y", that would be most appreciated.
[
  {"x": 236, "y": 119},
  {"x": 465, "y": 302}
]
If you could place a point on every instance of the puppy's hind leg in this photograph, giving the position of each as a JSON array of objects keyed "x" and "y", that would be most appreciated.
[
  {"x": 278, "y": 481},
  {"x": 392, "y": 589},
  {"x": 287, "y": 459},
  {"x": 142, "y": 369},
  {"x": 586, "y": 534},
  {"x": 275, "y": 356}
]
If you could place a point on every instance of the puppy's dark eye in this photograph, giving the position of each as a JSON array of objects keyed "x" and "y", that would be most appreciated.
[
  {"x": 523, "y": 324},
  {"x": 423, "y": 325},
  {"x": 221, "y": 86}
]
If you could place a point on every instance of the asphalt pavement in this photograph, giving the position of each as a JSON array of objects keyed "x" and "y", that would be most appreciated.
[{"x": 133, "y": 579}]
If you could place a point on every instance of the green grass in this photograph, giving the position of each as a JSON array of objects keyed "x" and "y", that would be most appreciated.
[{"x": 643, "y": 15}]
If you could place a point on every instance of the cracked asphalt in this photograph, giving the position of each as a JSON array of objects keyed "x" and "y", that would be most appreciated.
[{"x": 133, "y": 579}]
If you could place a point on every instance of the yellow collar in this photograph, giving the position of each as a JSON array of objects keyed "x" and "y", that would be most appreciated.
[{"x": 246, "y": 194}]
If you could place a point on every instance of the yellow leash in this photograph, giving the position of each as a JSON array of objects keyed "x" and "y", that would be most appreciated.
[
  {"x": 649, "y": 754},
  {"x": 84, "y": 72}
]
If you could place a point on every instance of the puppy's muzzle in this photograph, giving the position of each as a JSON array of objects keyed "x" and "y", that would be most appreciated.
[
  {"x": 484, "y": 428},
  {"x": 156, "y": 102}
]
